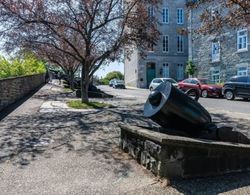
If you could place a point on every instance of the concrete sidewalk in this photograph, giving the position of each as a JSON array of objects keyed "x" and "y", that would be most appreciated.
[{"x": 68, "y": 152}]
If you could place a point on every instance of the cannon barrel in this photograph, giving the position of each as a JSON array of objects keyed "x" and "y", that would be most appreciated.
[{"x": 171, "y": 108}]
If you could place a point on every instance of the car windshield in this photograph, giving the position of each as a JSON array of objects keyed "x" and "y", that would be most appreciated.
[
  {"x": 206, "y": 82},
  {"x": 119, "y": 81},
  {"x": 233, "y": 79},
  {"x": 170, "y": 80},
  {"x": 203, "y": 81}
]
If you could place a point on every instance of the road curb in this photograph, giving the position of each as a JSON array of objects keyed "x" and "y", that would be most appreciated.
[{"x": 129, "y": 87}]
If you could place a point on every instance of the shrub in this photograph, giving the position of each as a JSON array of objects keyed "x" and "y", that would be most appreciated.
[
  {"x": 104, "y": 81},
  {"x": 18, "y": 67},
  {"x": 191, "y": 68}
]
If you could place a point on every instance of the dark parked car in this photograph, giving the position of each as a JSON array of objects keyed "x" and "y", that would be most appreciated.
[
  {"x": 238, "y": 86},
  {"x": 206, "y": 89}
]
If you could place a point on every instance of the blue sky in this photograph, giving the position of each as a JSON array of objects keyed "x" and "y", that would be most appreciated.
[{"x": 114, "y": 66}]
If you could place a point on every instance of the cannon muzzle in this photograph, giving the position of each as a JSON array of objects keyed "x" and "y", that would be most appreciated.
[{"x": 171, "y": 108}]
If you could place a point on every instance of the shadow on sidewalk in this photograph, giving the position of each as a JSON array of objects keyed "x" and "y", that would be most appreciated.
[{"x": 27, "y": 138}]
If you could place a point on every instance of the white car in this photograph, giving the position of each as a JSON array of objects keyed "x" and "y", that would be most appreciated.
[
  {"x": 111, "y": 82},
  {"x": 157, "y": 81},
  {"x": 119, "y": 84}
]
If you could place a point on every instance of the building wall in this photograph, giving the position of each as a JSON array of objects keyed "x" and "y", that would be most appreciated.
[
  {"x": 200, "y": 49},
  {"x": 12, "y": 89},
  {"x": 172, "y": 57},
  {"x": 159, "y": 60},
  {"x": 131, "y": 69}
]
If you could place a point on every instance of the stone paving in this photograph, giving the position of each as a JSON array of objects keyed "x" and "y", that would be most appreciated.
[{"x": 43, "y": 151}]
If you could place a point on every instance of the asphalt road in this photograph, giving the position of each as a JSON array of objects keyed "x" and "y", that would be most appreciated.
[{"x": 235, "y": 106}]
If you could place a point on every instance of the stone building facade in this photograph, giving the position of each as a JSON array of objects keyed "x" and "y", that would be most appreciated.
[
  {"x": 168, "y": 58},
  {"x": 221, "y": 56}
]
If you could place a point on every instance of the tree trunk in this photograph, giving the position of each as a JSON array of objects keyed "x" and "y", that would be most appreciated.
[
  {"x": 71, "y": 79},
  {"x": 85, "y": 84}
]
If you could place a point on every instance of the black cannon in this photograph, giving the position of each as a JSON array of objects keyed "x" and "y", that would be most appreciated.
[
  {"x": 171, "y": 108},
  {"x": 175, "y": 111}
]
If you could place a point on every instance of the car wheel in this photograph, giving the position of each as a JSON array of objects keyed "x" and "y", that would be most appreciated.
[
  {"x": 151, "y": 88},
  {"x": 193, "y": 93},
  {"x": 204, "y": 94},
  {"x": 229, "y": 95}
]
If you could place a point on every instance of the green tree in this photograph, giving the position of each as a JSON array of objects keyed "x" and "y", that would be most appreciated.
[
  {"x": 5, "y": 68},
  {"x": 218, "y": 19},
  {"x": 112, "y": 75},
  {"x": 25, "y": 65},
  {"x": 93, "y": 32},
  {"x": 191, "y": 68}
]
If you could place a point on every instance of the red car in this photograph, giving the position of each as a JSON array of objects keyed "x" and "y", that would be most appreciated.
[{"x": 206, "y": 90}]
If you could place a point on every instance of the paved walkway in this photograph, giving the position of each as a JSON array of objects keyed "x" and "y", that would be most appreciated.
[{"x": 67, "y": 152}]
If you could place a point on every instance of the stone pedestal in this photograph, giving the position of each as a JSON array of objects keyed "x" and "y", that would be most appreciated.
[{"x": 175, "y": 156}]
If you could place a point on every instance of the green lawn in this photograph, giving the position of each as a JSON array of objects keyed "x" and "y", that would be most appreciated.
[
  {"x": 77, "y": 104},
  {"x": 67, "y": 90}
]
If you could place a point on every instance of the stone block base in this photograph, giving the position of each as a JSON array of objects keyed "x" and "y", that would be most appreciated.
[{"x": 175, "y": 156}]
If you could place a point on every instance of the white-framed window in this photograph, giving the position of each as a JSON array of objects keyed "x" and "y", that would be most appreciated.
[
  {"x": 216, "y": 51},
  {"x": 165, "y": 70},
  {"x": 180, "y": 72},
  {"x": 150, "y": 11},
  {"x": 180, "y": 16},
  {"x": 165, "y": 15},
  {"x": 180, "y": 44},
  {"x": 242, "y": 71},
  {"x": 165, "y": 43},
  {"x": 242, "y": 40},
  {"x": 215, "y": 75}
]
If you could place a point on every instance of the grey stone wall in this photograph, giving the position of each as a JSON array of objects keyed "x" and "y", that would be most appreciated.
[
  {"x": 176, "y": 156},
  {"x": 12, "y": 89},
  {"x": 200, "y": 48}
]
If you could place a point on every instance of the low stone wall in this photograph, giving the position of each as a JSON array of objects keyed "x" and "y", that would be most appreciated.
[
  {"x": 175, "y": 156},
  {"x": 12, "y": 89}
]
